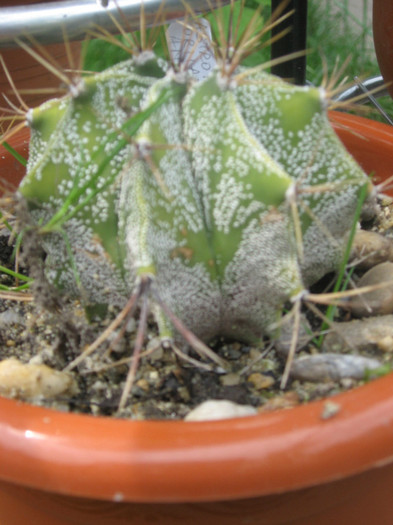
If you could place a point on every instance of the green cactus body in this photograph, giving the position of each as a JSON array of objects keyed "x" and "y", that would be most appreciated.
[
  {"x": 75, "y": 158},
  {"x": 208, "y": 194}
]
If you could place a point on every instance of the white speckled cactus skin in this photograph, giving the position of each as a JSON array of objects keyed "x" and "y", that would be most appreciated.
[{"x": 233, "y": 193}]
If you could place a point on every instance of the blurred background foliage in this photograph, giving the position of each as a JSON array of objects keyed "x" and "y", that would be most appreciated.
[{"x": 335, "y": 32}]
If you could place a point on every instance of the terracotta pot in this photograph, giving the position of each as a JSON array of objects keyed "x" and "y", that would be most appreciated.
[
  {"x": 284, "y": 467},
  {"x": 383, "y": 38},
  {"x": 27, "y": 73}
]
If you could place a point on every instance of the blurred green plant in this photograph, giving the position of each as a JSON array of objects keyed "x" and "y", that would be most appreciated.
[{"x": 334, "y": 34}]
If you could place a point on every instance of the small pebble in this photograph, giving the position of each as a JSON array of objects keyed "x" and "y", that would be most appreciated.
[
  {"x": 9, "y": 317},
  {"x": 184, "y": 394},
  {"x": 386, "y": 344},
  {"x": 143, "y": 384},
  {"x": 285, "y": 400},
  {"x": 30, "y": 381},
  {"x": 333, "y": 367},
  {"x": 361, "y": 335},
  {"x": 370, "y": 248},
  {"x": 330, "y": 409},
  {"x": 347, "y": 383},
  {"x": 261, "y": 381},
  {"x": 219, "y": 409},
  {"x": 154, "y": 375},
  {"x": 232, "y": 351},
  {"x": 157, "y": 352},
  {"x": 255, "y": 354},
  {"x": 378, "y": 301},
  {"x": 98, "y": 385},
  {"x": 284, "y": 340},
  {"x": 370, "y": 207},
  {"x": 230, "y": 379},
  {"x": 131, "y": 326}
]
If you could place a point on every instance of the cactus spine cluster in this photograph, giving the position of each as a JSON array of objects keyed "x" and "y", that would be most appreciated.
[{"x": 232, "y": 194}]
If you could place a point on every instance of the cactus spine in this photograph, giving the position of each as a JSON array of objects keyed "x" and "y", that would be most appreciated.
[{"x": 232, "y": 194}]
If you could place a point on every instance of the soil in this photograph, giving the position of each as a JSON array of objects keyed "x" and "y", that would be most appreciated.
[{"x": 54, "y": 330}]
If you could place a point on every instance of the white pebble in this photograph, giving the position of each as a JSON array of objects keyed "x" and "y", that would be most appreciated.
[{"x": 219, "y": 409}]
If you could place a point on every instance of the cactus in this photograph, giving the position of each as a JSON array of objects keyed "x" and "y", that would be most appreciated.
[{"x": 230, "y": 195}]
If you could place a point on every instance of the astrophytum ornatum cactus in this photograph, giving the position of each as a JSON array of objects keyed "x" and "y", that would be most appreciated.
[{"x": 233, "y": 194}]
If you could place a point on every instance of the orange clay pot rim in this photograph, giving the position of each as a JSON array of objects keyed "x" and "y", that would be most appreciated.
[
  {"x": 174, "y": 461},
  {"x": 362, "y": 128}
]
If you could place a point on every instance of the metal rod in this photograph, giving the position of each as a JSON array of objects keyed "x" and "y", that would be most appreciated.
[
  {"x": 373, "y": 101},
  {"x": 372, "y": 88},
  {"x": 46, "y": 23},
  {"x": 370, "y": 84}
]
